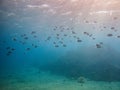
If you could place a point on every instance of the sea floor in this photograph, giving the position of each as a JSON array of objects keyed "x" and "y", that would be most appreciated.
[{"x": 33, "y": 79}]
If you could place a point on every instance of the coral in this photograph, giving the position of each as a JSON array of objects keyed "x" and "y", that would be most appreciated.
[{"x": 81, "y": 80}]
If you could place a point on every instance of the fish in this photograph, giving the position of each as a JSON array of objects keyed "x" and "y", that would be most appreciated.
[
  {"x": 13, "y": 49},
  {"x": 73, "y": 32},
  {"x": 27, "y": 49},
  {"x": 79, "y": 40},
  {"x": 56, "y": 45},
  {"x": 98, "y": 45},
  {"x": 25, "y": 38},
  {"x": 118, "y": 36},
  {"x": 64, "y": 45},
  {"x": 109, "y": 35},
  {"x": 7, "y": 48},
  {"x": 33, "y": 32},
  {"x": 112, "y": 28},
  {"x": 14, "y": 39},
  {"x": 35, "y": 36}
]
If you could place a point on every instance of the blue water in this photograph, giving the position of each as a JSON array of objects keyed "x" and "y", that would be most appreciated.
[{"x": 35, "y": 41}]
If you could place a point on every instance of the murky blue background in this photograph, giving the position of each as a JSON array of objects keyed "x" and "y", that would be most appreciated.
[{"x": 58, "y": 38}]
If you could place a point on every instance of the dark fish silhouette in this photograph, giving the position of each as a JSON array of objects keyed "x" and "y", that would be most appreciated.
[
  {"x": 23, "y": 35},
  {"x": 27, "y": 49},
  {"x": 61, "y": 30},
  {"x": 33, "y": 32},
  {"x": 54, "y": 42},
  {"x": 25, "y": 38},
  {"x": 68, "y": 29},
  {"x": 7, "y": 48},
  {"x": 90, "y": 35},
  {"x": 35, "y": 46},
  {"x": 93, "y": 38},
  {"x": 64, "y": 45},
  {"x": 75, "y": 36},
  {"x": 48, "y": 38},
  {"x": 56, "y": 45},
  {"x": 79, "y": 40},
  {"x": 115, "y": 18},
  {"x": 65, "y": 35},
  {"x": 13, "y": 49},
  {"x": 109, "y": 35},
  {"x": 58, "y": 34},
  {"x": 14, "y": 39},
  {"x": 98, "y": 45},
  {"x": 104, "y": 27},
  {"x": 73, "y": 32},
  {"x": 86, "y": 21},
  {"x": 101, "y": 42},
  {"x": 61, "y": 42},
  {"x": 9, "y": 53},
  {"x": 35, "y": 36},
  {"x": 112, "y": 28},
  {"x": 95, "y": 21},
  {"x": 118, "y": 36},
  {"x": 55, "y": 29},
  {"x": 57, "y": 38},
  {"x": 86, "y": 33}
]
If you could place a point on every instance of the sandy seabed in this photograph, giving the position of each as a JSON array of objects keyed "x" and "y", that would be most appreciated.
[{"x": 39, "y": 80}]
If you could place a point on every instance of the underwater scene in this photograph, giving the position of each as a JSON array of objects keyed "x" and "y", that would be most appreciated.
[{"x": 59, "y": 44}]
